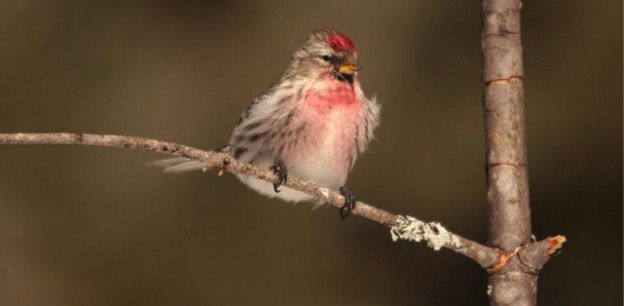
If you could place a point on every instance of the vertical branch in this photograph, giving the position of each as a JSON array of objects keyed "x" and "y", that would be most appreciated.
[
  {"x": 507, "y": 179},
  {"x": 503, "y": 97}
]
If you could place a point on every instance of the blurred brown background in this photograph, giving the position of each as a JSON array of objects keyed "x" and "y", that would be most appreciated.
[{"x": 94, "y": 226}]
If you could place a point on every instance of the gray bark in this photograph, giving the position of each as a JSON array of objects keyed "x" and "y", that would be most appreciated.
[{"x": 507, "y": 178}]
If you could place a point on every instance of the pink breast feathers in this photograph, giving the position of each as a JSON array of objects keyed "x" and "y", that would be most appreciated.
[
  {"x": 327, "y": 148},
  {"x": 338, "y": 94},
  {"x": 331, "y": 117}
]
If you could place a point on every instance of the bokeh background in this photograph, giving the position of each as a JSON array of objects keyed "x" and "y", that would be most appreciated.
[{"x": 94, "y": 226}]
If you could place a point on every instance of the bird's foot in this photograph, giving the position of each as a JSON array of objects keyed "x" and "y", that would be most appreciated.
[
  {"x": 282, "y": 174},
  {"x": 349, "y": 204}
]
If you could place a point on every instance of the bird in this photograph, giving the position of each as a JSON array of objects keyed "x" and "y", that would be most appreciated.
[{"x": 313, "y": 122}]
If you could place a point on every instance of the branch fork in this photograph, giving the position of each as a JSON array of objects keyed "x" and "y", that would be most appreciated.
[{"x": 530, "y": 257}]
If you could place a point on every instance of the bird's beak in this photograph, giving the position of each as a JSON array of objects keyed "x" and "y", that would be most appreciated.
[{"x": 348, "y": 69}]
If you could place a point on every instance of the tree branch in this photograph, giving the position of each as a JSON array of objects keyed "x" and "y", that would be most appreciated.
[
  {"x": 514, "y": 279},
  {"x": 401, "y": 227}
]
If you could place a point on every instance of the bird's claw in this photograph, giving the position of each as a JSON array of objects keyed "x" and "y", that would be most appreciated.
[
  {"x": 282, "y": 174},
  {"x": 349, "y": 204}
]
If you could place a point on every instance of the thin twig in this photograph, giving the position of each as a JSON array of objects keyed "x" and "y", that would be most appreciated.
[{"x": 402, "y": 227}]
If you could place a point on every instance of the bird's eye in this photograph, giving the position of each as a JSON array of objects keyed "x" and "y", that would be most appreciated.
[{"x": 327, "y": 57}]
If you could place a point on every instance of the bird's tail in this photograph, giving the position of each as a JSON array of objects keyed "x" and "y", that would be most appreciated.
[{"x": 180, "y": 164}]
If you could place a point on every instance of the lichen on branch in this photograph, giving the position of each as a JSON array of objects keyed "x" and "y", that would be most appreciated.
[{"x": 411, "y": 229}]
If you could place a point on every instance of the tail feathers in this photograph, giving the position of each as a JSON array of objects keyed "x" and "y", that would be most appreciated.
[
  {"x": 177, "y": 165},
  {"x": 180, "y": 164},
  {"x": 223, "y": 149}
]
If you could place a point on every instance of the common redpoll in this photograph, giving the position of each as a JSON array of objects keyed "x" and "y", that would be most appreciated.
[{"x": 312, "y": 123}]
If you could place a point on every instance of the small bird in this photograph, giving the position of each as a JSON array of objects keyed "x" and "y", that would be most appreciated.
[{"x": 313, "y": 122}]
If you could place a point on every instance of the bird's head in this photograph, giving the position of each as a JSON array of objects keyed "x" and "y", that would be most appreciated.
[{"x": 327, "y": 52}]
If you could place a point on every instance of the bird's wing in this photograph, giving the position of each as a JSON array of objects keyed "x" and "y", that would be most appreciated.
[
  {"x": 258, "y": 100},
  {"x": 257, "y": 136},
  {"x": 372, "y": 117}
]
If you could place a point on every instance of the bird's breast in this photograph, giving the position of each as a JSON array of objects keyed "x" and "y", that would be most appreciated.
[
  {"x": 333, "y": 121},
  {"x": 336, "y": 94}
]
